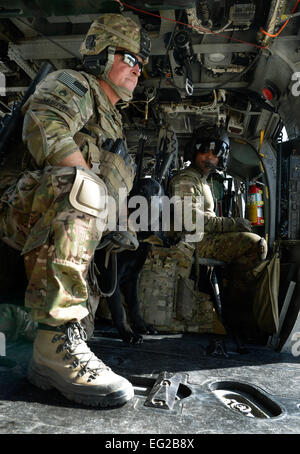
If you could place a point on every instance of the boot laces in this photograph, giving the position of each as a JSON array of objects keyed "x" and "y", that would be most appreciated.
[{"x": 75, "y": 337}]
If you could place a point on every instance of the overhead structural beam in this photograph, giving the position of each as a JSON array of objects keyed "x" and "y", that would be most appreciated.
[
  {"x": 43, "y": 49},
  {"x": 15, "y": 55},
  {"x": 226, "y": 47}
]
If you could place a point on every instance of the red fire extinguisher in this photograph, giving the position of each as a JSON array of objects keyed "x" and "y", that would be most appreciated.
[{"x": 255, "y": 204}]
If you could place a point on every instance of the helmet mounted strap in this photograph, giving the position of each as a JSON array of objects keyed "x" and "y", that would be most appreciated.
[
  {"x": 122, "y": 92},
  {"x": 100, "y": 65}
]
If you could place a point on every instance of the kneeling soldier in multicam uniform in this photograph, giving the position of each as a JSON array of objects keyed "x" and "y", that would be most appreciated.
[
  {"x": 227, "y": 239},
  {"x": 50, "y": 213}
]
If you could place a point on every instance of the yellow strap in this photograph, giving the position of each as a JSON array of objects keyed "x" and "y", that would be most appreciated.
[{"x": 262, "y": 133}]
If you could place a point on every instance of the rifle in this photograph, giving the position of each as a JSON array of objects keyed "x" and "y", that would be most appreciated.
[{"x": 11, "y": 124}]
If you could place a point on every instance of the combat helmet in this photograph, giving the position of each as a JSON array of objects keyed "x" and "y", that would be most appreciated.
[
  {"x": 108, "y": 32},
  {"x": 207, "y": 137}
]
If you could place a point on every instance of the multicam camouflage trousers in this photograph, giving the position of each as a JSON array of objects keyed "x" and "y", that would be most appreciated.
[
  {"x": 242, "y": 250},
  {"x": 57, "y": 241}
]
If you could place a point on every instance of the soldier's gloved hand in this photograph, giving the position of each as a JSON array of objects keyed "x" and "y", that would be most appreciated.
[{"x": 236, "y": 225}]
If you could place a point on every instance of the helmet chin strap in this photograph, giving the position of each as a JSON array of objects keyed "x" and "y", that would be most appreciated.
[{"x": 122, "y": 92}]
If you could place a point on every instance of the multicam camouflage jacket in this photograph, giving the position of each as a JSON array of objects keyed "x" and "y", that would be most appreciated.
[
  {"x": 190, "y": 182},
  {"x": 69, "y": 110}
]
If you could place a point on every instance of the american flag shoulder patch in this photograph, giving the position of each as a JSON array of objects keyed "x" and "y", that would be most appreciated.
[{"x": 72, "y": 83}]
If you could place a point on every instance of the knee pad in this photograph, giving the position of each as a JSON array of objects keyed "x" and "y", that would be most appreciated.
[{"x": 89, "y": 194}]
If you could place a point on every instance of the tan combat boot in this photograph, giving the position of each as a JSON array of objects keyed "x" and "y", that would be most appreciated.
[{"x": 62, "y": 360}]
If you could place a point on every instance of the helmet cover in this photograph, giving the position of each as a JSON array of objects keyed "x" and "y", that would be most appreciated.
[{"x": 116, "y": 30}]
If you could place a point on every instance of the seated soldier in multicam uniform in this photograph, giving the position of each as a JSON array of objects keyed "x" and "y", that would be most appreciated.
[
  {"x": 227, "y": 239},
  {"x": 50, "y": 211}
]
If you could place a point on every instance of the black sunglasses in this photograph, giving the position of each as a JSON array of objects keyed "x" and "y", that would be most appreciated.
[
  {"x": 130, "y": 59},
  {"x": 218, "y": 147}
]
